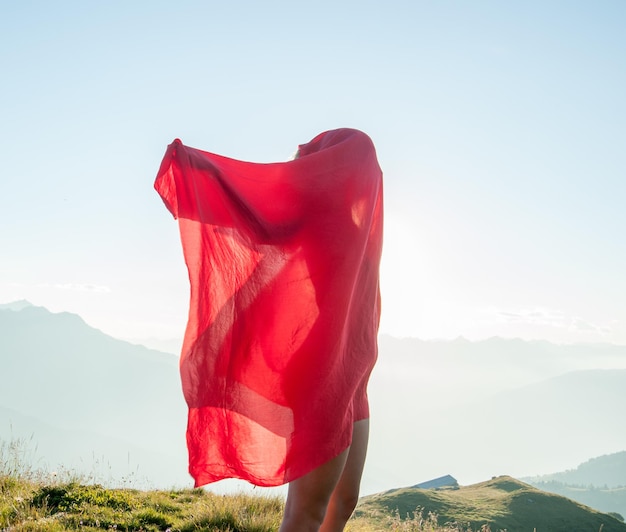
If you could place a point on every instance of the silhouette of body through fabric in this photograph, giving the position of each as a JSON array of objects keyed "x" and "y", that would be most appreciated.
[{"x": 283, "y": 262}]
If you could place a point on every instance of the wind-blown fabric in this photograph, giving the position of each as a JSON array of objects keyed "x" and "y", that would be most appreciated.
[{"x": 283, "y": 262}]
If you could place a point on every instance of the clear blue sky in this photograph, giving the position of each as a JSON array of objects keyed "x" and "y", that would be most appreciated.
[{"x": 500, "y": 127}]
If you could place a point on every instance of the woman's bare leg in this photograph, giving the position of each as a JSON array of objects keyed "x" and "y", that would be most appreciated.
[
  {"x": 308, "y": 496},
  {"x": 346, "y": 494},
  {"x": 326, "y": 496}
]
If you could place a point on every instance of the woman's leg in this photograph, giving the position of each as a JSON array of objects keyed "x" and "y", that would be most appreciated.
[
  {"x": 346, "y": 494},
  {"x": 326, "y": 496},
  {"x": 308, "y": 496}
]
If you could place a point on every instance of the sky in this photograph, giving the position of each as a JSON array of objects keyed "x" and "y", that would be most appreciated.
[{"x": 500, "y": 128}]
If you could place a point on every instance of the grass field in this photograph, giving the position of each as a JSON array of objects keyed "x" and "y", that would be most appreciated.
[{"x": 30, "y": 506}]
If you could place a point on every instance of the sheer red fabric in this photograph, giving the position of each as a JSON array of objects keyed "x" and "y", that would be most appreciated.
[{"x": 283, "y": 262}]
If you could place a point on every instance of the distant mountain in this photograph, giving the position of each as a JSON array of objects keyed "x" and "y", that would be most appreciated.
[
  {"x": 502, "y": 503},
  {"x": 89, "y": 455},
  {"x": 471, "y": 409},
  {"x": 16, "y": 305},
  {"x": 165, "y": 345},
  {"x": 479, "y": 409},
  {"x": 486, "y": 367},
  {"x": 80, "y": 393},
  {"x": 576, "y": 408},
  {"x": 599, "y": 483},
  {"x": 607, "y": 471}
]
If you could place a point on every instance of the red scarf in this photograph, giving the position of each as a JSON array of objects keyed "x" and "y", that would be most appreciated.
[{"x": 283, "y": 263}]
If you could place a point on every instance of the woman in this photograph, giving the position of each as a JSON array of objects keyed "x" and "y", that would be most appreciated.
[{"x": 283, "y": 263}]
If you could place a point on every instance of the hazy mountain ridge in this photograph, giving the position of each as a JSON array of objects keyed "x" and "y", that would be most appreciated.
[
  {"x": 472, "y": 409},
  {"x": 493, "y": 407},
  {"x": 104, "y": 458},
  {"x": 603, "y": 471},
  {"x": 515, "y": 362},
  {"x": 599, "y": 483},
  {"x": 83, "y": 394}
]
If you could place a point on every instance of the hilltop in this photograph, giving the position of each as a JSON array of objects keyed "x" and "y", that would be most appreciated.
[{"x": 502, "y": 503}]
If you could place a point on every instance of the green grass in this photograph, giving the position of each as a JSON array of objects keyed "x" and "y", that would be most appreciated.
[
  {"x": 34, "y": 500},
  {"x": 27, "y": 505}
]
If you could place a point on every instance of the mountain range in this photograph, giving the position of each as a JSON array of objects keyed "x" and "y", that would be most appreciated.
[
  {"x": 495, "y": 407},
  {"x": 107, "y": 408},
  {"x": 599, "y": 483},
  {"x": 89, "y": 402}
]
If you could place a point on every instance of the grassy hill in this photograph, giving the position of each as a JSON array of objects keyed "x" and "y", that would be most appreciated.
[{"x": 502, "y": 503}]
